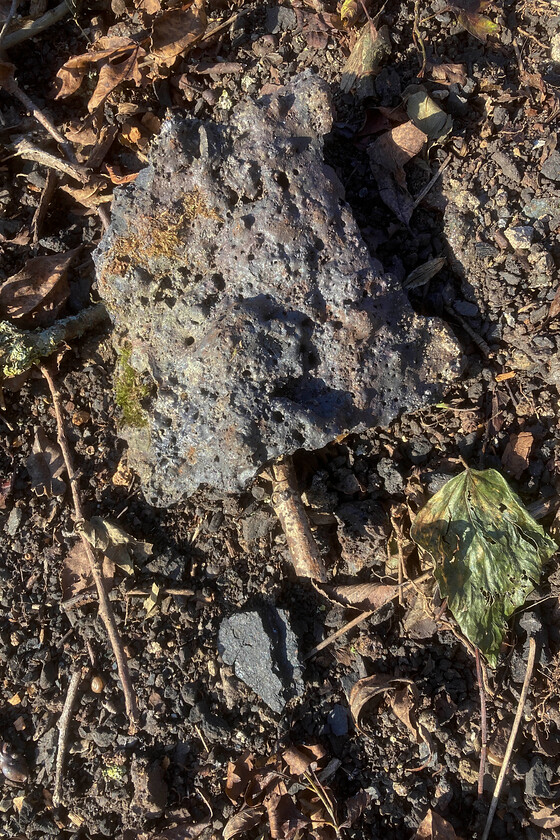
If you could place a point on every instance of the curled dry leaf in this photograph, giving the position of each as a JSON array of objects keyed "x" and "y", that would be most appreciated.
[
  {"x": 516, "y": 454},
  {"x": 175, "y": 31},
  {"x": 284, "y": 817},
  {"x": 370, "y": 688},
  {"x": 36, "y": 294},
  {"x": 434, "y": 827},
  {"x": 299, "y": 759},
  {"x": 546, "y": 817},
  {"x": 115, "y": 543},
  {"x": 363, "y": 596},
  {"x": 244, "y": 821},
  {"x": 239, "y": 774},
  {"x": 45, "y": 465},
  {"x": 352, "y": 10},
  {"x": 388, "y": 155},
  {"x": 355, "y": 807},
  {"x": 118, "y": 61},
  {"x": 402, "y": 695}
]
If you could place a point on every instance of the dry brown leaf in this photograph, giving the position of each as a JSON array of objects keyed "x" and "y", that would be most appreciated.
[
  {"x": 363, "y": 596},
  {"x": 388, "y": 155},
  {"x": 447, "y": 74},
  {"x": 434, "y": 827},
  {"x": 396, "y": 147},
  {"x": 75, "y": 576},
  {"x": 284, "y": 818},
  {"x": 36, "y": 294},
  {"x": 175, "y": 31},
  {"x": 242, "y": 822},
  {"x": 90, "y": 197},
  {"x": 113, "y": 73},
  {"x": 150, "y": 7},
  {"x": 117, "y": 59},
  {"x": 116, "y": 177},
  {"x": 45, "y": 466},
  {"x": 355, "y": 807},
  {"x": 352, "y": 10},
  {"x": 370, "y": 688},
  {"x": 238, "y": 776},
  {"x": 546, "y": 817},
  {"x": 516, "y": 454},
  {"x": 417, "y": 623},
  {"x": 299, "y": 759},
  {"x": 368, "y": 52}
]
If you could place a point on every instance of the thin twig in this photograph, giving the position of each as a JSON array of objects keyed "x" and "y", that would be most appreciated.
[
  {"x": 483, "y": 727},
  {"x": 361, "y": 617},
  {"x": 424, "y": 192},
  {"x": 26, "y": 150},
  {"x": 63, "y": 728},
  {"x": 11, "y": 13},
  {"x": 105, "y": 609},
  {"x": 289, "y": 509},
  {"x": 34, "y": 27},
  {"x": 12, "y": 87},
  {"x": 512, "y": 737}
]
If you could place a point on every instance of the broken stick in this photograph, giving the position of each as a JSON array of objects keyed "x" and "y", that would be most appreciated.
[
  {"x": 287, "y": 504},
  {"x": 105, "y": 609}
]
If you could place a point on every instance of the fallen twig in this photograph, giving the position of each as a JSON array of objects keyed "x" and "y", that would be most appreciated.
[
  {"x": 11, "y": 86},
  {"x": 11, "y": 13},
  {"x": 424, "y": 192},
  {"x": 512, "y": 737},
  {"x": 105, "y": 609},
  {"x": 361, "y": 617},
  {"x": 39, "y": 215},
  {"x": 34, "y": 27},
  {"x": 63, "y": 727},
  {"x": 289, "y": 509},
  {"x": 26, "y": 150},
  {"x": 20, "y": 349},
  {"x": 483, "y": 727}
]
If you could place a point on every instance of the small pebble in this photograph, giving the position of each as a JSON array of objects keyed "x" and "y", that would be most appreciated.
[{"x": 520, "y": 237}]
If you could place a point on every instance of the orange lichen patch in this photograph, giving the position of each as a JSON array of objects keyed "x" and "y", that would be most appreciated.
[{"x": 160, "y": 236}]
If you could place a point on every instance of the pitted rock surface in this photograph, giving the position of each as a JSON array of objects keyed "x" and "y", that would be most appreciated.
[{"x": 235, "y": 270}]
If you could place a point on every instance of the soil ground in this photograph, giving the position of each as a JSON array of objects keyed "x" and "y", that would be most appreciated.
[{"x": 496, "y": 292}]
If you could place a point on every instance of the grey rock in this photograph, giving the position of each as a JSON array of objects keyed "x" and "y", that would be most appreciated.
[
  {"x": 507, "y": 166},
  {"x": 280, "y": 19},
  {"x": 235, "y": 271},
  {"x": 14, "y": 521},
  {"x": 551, "y": 167},
  {"x": 262, "y": 649},
  {"x": 337, "y": 720},
  {"x": 467, "y": 309},
  {"x": 520, "y": 237},
  {"x": 537, "y": 780},
  {"x": 392, "y": 478}
]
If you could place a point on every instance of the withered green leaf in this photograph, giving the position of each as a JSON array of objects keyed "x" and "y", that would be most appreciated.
[{"x": 488, "y": 553}]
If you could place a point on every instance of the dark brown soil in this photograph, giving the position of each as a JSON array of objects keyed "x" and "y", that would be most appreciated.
[{"x": 196, "y": 716}]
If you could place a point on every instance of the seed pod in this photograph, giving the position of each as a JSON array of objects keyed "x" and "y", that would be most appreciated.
[{"x": 97, "y": 685}]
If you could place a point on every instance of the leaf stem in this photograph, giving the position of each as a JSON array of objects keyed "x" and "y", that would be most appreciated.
[{"x": 483, "y": 725}]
